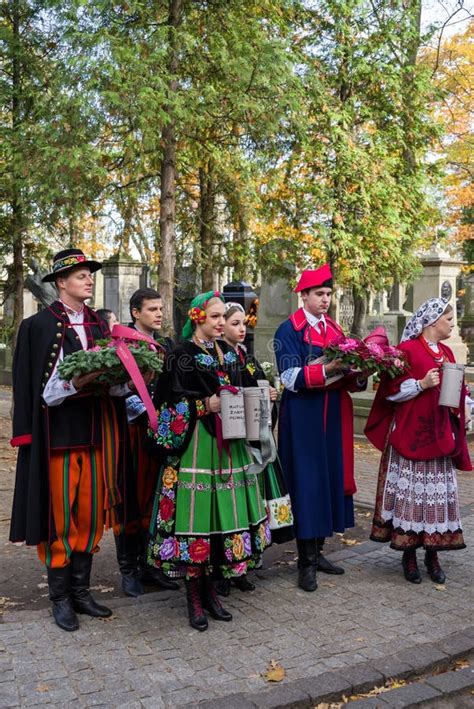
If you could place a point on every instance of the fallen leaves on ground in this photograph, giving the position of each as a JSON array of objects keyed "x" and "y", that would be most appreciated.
[
  {"x": 387, "y": 687},
  {"x": 349, "y": 542},
  {"x": 439, "y": 587},
  {"x": 274, "y": 672},
  {"x": 461, "y": 664}
]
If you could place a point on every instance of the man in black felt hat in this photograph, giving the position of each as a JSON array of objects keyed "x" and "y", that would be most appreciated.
[{"x": 70, "y": 458}]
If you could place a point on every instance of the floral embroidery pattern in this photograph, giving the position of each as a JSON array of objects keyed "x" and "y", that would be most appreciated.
[
  {"x": 230, "y": 358},
  {"x": 208, "y": 487},
  {"x": 206, "y": 360},
  {"x": 279, "y": 512},
  {"x": 200, "y": 408},
  {"x": 224, "y": 379},
  {"x": 238, "y": 547},
  {"x": 251, "y": 369},
  {"x": 173, "y": 424}
]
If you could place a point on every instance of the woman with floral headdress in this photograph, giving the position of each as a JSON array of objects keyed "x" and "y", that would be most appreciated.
[
  {"x": 271, "y": 478},
  {"x": 423, "y": 443},
  {"x": 209, "y": 514}
]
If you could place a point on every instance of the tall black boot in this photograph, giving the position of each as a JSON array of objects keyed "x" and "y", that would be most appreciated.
[
  {"x": 324, "y": 564},
  {"x": 59, "y": 582},
  {"x": 82, "y": 600},
  {"x": 127, "y": 547},
  {"x": 211, "y": 602},
  {"x": 150, "y": 575},
  {"x": 307, "y": 564},
  {"x": 197, "y": 617}
]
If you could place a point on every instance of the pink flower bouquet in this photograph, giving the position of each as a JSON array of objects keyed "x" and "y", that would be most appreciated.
[{"x": 373, "y": 355}]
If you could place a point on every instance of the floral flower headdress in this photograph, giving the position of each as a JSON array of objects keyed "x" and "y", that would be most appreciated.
[{"x": 197, "y": 312}]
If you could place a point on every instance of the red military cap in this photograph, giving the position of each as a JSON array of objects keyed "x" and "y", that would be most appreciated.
[{"x": 313, "y": 279}]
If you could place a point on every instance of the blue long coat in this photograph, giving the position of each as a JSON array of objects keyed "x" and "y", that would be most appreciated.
[{"x": 315, "y": 432}]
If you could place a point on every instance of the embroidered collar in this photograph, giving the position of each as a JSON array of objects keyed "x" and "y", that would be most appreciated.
[{"x": 208, "y": 344}]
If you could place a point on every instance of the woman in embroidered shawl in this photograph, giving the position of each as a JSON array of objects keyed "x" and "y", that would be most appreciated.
[
  {"x": 209, "y": 513},
  {"x": 270, "y": 479},
  {"x": 423, "y": 443}
]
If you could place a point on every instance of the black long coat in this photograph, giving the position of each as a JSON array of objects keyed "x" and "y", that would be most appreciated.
[{"x": 38, "y": 428}]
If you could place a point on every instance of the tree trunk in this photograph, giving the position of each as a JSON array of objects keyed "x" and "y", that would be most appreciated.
[
  {"x": 206, "y": 235},
  {"x": 168, "y": 182},
  {"x": 360, "y": 312},
  {"x": 413, "y": 11},
  {"x": 17, "y": 215}
]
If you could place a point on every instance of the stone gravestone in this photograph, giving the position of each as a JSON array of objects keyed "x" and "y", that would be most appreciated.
[
  {"x": 277, "y": 302},
  {"x": 393, "y": 319},
  {"x": 121, "y": 279},
  {"x": 438, "y": 280},
  {"x": 467, "y": 322}
]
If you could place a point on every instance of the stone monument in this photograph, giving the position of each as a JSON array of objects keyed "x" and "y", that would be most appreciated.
[
  {"x": 467, "y": 322},
  {"x": 277, "y": 302},
  {"x": 394, "y": 318},
  {"x": 121, "y": 278},
  {"x": 438, "y": 280}
]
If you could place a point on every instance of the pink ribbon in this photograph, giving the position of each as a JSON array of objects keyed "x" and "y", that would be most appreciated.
[{"x": 120, "y": 333}]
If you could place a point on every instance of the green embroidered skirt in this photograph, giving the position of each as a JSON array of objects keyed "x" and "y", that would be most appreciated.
[{"x": 208, "y": 512}]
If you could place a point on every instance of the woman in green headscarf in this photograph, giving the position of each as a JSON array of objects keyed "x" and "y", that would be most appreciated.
[{"x": 209, "y": 514}]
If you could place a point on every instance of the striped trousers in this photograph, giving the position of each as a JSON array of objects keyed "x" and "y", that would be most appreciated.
[
  {"x": 77, "y": 499},
  {"x": 146, "y": 469}
]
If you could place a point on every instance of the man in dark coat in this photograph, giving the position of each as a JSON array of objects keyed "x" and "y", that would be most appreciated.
[
  {"x": 69, "y": 452},
  {"x": 146, "y": 311},
  {"x": 315, "y": 426}
]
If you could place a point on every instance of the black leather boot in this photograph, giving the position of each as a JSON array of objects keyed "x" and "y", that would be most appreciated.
[
  {"x": 243, "y": 584},
  {"x": 128, "y": 548},
  {"x": 211, "y": 602},
  {"x": 410, "y": 566},
  {"x": 197, "y": 617},
  {"x": 222, "y": 587},
  {"x": 433, "y": 567},
  {"x": 307, "y": 564},
  {"x": 150, "y": 575},
  {"x": 324, "y": 565},
  {"x": 82, "y": 600},
  {"x": 59, "y": 582}
]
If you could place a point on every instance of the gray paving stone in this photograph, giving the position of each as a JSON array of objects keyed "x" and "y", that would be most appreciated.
[
  {"x": 9, "y": 696},
  {"x": 366, "y": 702},
  {"x": 363, "y": 677},
  {"x": 232, "y": 701},
  {"x": 411, "y": 695},
  {"x": 456, "y": 644},
  {"x": 424, "y": 658},
  {"x": 283, "y": 696},
  {"x": 451, "y": 682},
  {"x": 326, "y": 687},
  {"x": 392, "y": 666}
]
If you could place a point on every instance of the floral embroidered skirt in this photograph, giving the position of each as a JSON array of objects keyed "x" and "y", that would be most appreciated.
[
  {"x": 208, "y": 513},
  {"x": 417, "y": 504}
]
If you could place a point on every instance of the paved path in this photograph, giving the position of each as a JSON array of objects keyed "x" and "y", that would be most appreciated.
[{"x": 355, "y": 631}]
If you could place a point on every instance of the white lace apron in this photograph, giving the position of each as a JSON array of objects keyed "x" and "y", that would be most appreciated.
[{"x": 421, "y": 495}]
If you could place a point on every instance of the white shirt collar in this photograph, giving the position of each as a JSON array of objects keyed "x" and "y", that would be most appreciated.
[
  {"x": 71, "y": 313},
  {"x": 313, "y": 320}
]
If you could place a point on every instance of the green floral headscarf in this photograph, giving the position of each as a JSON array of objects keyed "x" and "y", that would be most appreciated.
[{"x": 196, "y": 312}]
